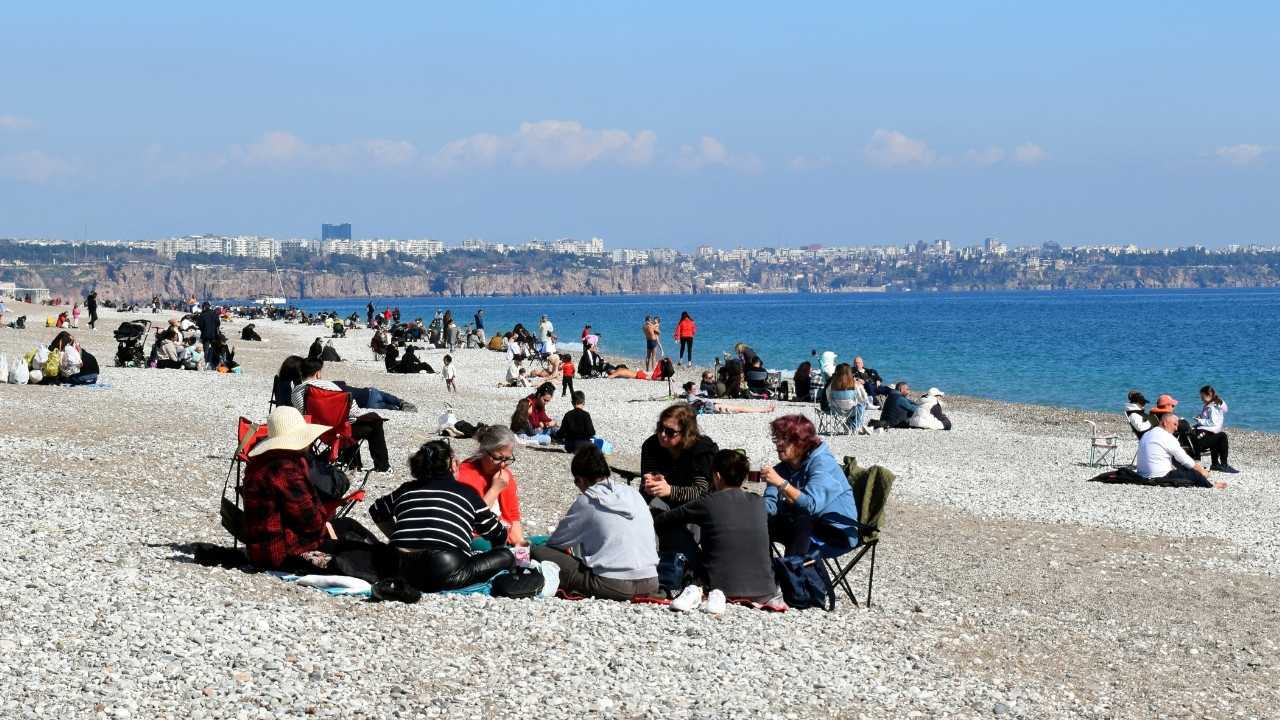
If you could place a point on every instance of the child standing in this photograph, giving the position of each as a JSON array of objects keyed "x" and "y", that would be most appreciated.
[
  {"x": 566, "y": 374},
  {"x": 75, "y": 315},
  {"x": 449, "y": 374}
]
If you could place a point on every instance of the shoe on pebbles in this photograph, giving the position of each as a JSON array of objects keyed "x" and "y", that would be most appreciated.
[{"x": 688, "y": 599}]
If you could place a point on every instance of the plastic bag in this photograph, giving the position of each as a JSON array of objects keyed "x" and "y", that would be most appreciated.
[{"x": 18, "y": 373}]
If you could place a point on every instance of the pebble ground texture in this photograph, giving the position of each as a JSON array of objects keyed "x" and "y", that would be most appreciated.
[{"x": 1007, "y": 586}]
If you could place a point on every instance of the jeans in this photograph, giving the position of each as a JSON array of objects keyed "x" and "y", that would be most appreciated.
[
  {"x": 81, "y": 378},
  {"x": 576, "y": 577},
  {"x": 796, "y": 529},
  {"x": 686, "y": 346},
  {"x": 372, "y": 398},
  {"x": 566, "y": 386},
  {"x": 856, "y": 416}
]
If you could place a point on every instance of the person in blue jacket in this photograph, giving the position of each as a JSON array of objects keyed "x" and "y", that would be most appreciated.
[{"x": 808, "y": 498}]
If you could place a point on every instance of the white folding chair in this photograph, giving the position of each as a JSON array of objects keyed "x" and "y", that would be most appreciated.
[{"x": 1102, "y": 448}]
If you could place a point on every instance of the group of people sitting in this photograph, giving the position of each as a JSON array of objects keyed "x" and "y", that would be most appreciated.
[
  {"x": 1170, "y": 448},
  {"x": 533, "y": 425},
  {"x": 688, "y": 526}
]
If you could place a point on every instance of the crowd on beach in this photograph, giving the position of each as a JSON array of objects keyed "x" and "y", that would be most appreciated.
[{"x": 694, "y": 520}]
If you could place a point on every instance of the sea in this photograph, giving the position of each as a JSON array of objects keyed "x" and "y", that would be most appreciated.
[{"x": 1073, "y": 349}]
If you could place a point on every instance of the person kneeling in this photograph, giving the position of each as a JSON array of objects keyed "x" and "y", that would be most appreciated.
[
  {"x": 431, "y": 520},
  {"x": 734, "y": 547},
  {"x": 611, "y": 528}
]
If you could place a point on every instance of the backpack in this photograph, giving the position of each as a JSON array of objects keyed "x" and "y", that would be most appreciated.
[
  {"x": 330, "y": 482},
  {"x": 804, "y": 581},
  {"x": 519, "y": 583}
]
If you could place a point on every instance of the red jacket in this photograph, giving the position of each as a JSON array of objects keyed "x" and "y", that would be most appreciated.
[
  {"x": 283, "y": 515},
  {"x": 685, "y": 329}
]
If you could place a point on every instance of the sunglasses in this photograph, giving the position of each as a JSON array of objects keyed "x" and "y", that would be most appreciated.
[
  {"x": 502, "y": 459},
  {"x": 670, "y": 432}
]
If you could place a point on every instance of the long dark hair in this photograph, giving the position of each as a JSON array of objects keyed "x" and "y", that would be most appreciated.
[
  {"x": 520, "y": 423},
  {"x": 291, "y": 369},
  {"x": 1213, "y": 394},
  {"x": 60, "y": 341},
  {"x": 684, "y": 315}
]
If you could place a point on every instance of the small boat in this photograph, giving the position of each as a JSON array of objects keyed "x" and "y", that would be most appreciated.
[{"x": 272, "y": 301}]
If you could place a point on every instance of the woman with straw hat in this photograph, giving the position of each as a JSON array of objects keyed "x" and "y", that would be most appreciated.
[{"x": 284, "y": 516}]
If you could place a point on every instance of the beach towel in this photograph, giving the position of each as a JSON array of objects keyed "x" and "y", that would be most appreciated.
[{"x": 336, "y": 585}]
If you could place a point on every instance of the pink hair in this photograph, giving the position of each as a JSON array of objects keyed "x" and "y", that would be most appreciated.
[{"x": 797, "y": 430}]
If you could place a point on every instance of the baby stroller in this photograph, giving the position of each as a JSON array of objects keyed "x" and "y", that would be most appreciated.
[{"x": 131, "y": 339}]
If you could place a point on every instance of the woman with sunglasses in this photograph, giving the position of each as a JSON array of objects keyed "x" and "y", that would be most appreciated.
[
  {"x": 488, "y": 472},
  {"x": 676, "y": 460},
  {"x": 808, "y": 498}
]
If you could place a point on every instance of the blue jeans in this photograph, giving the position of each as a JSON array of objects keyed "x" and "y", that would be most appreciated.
[
  {"x": 856, "y": 416},
  {"x": 372, "y": 398}
]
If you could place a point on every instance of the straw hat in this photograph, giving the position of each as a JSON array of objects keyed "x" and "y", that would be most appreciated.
[{"x": 286, "y": 430}]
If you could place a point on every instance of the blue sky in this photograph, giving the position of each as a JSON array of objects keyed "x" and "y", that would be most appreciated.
[{"x": 647, "y": 124}]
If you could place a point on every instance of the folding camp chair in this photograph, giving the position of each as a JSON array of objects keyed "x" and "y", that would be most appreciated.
[
  {"x": 281, "y": 393},
  {"x": 1102, "y": 448},
  {"x": 871, "y": 487},
  {"x": 832, "y": 421},
  {"x": 248, "y": 434},
  {"x": 337, "y": 445}
]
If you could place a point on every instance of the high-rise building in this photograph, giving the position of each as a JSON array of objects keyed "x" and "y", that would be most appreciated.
[{"x": 335, "y": 232}]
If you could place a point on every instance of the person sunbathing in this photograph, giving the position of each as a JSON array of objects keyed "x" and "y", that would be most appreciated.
[{"x": 706, "y": 406}]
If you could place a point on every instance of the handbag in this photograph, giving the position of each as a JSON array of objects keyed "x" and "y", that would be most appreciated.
[
  {"x": 330, "y": 481},
  {"x": 519, "y": 583},
  {"x": 804, "y": 581}
]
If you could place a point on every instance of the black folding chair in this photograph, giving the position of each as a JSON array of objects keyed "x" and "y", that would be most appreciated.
[
  {"x": 281, "y": 393},
  {"x": 871, "y": 487}
]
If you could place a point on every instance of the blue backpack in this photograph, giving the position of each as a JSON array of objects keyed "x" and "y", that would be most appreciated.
[{"x": 804, "y": 581}]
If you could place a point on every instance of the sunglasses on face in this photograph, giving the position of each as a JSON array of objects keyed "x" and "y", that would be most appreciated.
[{"x": 670, "y": 432}]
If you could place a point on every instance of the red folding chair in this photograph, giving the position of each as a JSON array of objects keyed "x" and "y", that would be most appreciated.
[
  {"x": 337, "y": 445},
  {"x": 248, "y": 433}
]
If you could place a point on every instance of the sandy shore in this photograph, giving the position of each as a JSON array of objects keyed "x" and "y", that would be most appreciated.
[{"x": 1007, "y": 586}]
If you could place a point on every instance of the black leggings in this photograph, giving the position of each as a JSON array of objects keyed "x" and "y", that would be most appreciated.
[
  {"x": 566, "y": 386},
  {"x": 686, "y": 347},
  {"x": 433, "y": 570},
  {"x": 1215, "y": 443}
]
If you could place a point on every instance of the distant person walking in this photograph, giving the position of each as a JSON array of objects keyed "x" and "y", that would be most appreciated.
[
  {"x": 209, "y": 324},
  {"x": 368, "y": 314},
  {"x": 91, "y": 304},
  {"x": 479, "y": 323},
  {"x": 685, "y": 330}
]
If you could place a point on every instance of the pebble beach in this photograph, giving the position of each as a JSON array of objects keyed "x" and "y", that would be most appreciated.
[{"x": 1006, "y": 585}]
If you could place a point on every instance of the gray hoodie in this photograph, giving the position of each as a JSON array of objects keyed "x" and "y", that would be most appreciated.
[{"x": 611, "y": 529}]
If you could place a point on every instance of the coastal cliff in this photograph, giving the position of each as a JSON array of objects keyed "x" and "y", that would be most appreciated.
[{"x": 138, "y": 281}]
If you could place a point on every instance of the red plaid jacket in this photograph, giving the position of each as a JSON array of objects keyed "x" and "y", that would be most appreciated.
[{"x": 283, "y": 515}]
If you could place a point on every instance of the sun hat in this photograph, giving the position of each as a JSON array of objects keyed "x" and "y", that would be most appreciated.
[
  {"x": 1164, "y": 404},
  {"x": 287, "y": 430},
  {"x": 934, "y": 392}
]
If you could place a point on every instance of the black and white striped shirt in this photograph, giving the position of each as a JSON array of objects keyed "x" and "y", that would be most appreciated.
[{"x": 439, "y": 514}]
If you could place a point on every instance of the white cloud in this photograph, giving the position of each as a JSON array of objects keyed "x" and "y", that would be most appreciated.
[
  {"x": 711, "y": 152},
  {"x": 34, "y": 166},
  {"x": 890, "y": 148},
  {"x": 984, "y": 158},
  {"x": 281, "y": 149},
  {"x": 555, "y": 145},
  {"x": 13, "y": 122},
  {"x": 1029, "y": 154},
  {"x": 1243, "y": 154}
]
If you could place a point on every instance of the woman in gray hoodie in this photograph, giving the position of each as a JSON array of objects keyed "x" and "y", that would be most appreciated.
[{"x": 605, "y": 544}]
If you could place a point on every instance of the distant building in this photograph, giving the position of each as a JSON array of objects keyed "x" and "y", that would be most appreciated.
[{"x": 335, "y": 232}]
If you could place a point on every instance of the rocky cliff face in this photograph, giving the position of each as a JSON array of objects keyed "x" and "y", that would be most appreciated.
[{"x": 138, "y": 282}]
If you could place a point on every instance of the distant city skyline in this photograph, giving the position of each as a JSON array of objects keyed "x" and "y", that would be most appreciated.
[{"x": 725, "y": 125}]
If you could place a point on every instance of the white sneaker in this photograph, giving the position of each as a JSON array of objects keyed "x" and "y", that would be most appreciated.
[
  {"x": 715, "y": 603},
  {"x": 688, "y": 599}
]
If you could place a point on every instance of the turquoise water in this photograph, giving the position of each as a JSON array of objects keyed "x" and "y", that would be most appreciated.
[{"x": 1080, "y": 349}]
